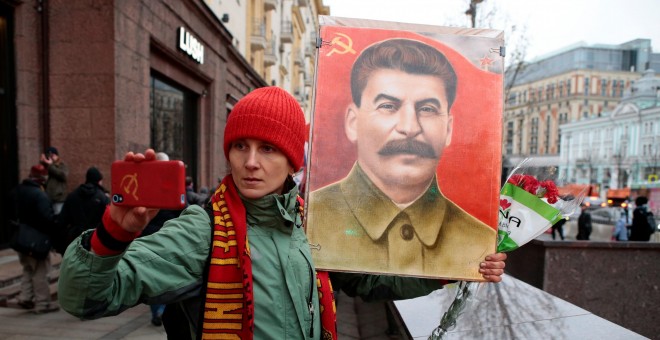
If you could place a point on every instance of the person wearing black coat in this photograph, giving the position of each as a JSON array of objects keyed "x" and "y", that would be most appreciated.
[
  {"x": 584, "y": 224},
  {"x": 641, "y": 230},
  {"x": 33, "y": 208},
  {"x": 82, "y": 210}
]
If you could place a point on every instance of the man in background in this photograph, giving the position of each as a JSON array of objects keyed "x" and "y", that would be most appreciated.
[
  {"x": 57, "y": 176},
  {"x": 643, "y": 221},
  {"x": 191, "y": 196},
  {"x": 33, "y": 208},
  {"x": 584, "y": 224},
  {"x": 82, "y": 209}
]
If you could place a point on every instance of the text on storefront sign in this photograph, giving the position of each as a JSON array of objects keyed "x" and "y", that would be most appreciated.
[{"x": 189, "y": 44}]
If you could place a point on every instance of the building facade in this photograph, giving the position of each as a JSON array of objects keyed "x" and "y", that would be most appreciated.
[
  {"x": 99, "y": 78},
  {"x": 277, "y": 38},
  {"x": 575, "y": 84},
  {"x": 620, "y": 148}
]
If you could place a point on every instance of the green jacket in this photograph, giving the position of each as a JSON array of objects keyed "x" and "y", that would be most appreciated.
[
  {"x": 169, "y": 266},
  {"x": 56, "y": 183}
]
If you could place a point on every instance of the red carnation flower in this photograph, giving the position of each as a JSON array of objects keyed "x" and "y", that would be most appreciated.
[
  {"x": 530, "y": 184},
  {"x": 551, "y": 191},
  {"x": 516, "y": 180}
]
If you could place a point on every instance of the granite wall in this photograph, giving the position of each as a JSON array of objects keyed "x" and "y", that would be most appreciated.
[{"x": 619, "y": 281}]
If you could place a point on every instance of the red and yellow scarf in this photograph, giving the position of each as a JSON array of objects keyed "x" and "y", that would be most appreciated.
[{"x": 228, "y": 307}]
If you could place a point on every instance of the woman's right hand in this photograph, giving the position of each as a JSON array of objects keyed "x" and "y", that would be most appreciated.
[{"x": 134, "y": 219}]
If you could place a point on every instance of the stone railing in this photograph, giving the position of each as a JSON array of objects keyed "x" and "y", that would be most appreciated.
[
  {"x": 511, "y": 309},
  {"x": 618, "y": 281}
]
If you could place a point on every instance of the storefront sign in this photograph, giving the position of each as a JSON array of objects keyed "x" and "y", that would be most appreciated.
[{"x": 189, "y": 44}]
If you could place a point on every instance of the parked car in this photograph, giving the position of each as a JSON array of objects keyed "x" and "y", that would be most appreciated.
[{"x": 602, "y": 223}]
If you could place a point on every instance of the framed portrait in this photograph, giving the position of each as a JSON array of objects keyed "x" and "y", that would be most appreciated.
[{"x": 404, "y": 165}]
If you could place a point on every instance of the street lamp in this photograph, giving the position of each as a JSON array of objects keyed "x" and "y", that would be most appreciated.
[{"x": 472, "y": 11}]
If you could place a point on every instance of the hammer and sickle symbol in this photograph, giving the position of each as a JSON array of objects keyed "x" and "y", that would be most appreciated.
[
  {"x": 130, "y": 184},
  {"x": 346, "y": 47}
]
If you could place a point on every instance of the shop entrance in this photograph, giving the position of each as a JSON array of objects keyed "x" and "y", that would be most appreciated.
[
  {"x": 8, "y": 144},
  {"x": 174, "y": 121}
]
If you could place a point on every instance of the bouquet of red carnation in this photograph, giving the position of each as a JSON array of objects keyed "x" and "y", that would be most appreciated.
[{"x": 528, "y": 207}]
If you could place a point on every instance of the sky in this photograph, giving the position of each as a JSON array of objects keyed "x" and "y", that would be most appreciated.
[{"x": 547, "y": 25}]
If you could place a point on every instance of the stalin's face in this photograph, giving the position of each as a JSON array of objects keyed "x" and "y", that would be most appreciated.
[{"x": 401, "y": 127}]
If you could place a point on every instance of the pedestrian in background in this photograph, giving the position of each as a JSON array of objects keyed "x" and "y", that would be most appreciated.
[
  {"x": 584, "y": 224},
  {"x": 621, "y": 227},
  {"x": 559, "y": 229},
  {"x": 34, "y": 209},
  {"x": 193, "y": 197},
  {"x": 82, "y": 209},
  {"x": 57, "y": 176},
  {"x": 643, "y": 222}
]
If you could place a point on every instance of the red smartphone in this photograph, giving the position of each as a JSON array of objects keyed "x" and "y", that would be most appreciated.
[{"x": 151, "y": 184}]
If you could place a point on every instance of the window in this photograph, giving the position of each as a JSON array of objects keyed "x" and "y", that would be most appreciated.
[
  {"x": 509, "y": 137},
  {"x": 512, "y": 98},
  {"x": 174, "y": 122},
  {"x": 533, "y": 145},
  {"x": 548, "y": 123},
  {"x": 603, "y": 87},
  {"x": 586, "y": 86}
]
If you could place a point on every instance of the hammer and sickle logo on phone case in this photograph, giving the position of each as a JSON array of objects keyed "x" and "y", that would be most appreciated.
[
  {"x": 129, "y": 183},
  {"x": 340, "y": 46}
]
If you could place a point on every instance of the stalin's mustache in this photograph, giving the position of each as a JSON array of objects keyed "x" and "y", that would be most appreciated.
[{"x": 407, "y": 146}]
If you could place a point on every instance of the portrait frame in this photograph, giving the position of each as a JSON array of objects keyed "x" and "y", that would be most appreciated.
[{"x": 469, "y": 170}]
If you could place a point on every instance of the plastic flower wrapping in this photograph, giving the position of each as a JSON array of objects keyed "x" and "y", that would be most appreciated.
[{"x": 529, "y": 204}]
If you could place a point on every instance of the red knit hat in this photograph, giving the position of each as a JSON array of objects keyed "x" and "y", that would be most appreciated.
[
  {"x": 272, "y": 115},
  {"x": 38, "y": 173}
]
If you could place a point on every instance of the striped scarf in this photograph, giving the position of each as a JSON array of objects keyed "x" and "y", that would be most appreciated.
[{"x": 228, "y": 307}]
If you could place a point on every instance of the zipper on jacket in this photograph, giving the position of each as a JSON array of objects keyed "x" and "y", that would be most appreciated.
[
  {"x": 311, "y": 328},
  {"x": 310, "y": 302}
]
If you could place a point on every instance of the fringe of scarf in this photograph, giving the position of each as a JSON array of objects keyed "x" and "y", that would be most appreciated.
[{"x": 228, "y": 305}]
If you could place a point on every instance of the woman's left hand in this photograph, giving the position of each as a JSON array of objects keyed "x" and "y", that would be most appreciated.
[{"x": 493, "y": 267}]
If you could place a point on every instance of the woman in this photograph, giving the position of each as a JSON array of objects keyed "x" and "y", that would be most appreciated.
[{"x": 259, "y": 280}]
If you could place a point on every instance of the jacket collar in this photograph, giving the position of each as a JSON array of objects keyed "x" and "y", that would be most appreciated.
[{"x": 274, "y": 209}]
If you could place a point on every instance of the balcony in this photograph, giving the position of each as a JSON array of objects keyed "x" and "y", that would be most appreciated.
[
  {"x": 299, "y": 95},
  {"x": 258, "y": 37},
  {"x": 286, "y": 35},
  {"x": 270, "y": 5},
  {"x": 270, "y": 54},
  {"x": 298, "y": 58},
  {"x": 310, "y": 49}
]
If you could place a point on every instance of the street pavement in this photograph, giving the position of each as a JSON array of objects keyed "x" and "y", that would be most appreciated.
[
  {"x": 17, "y": 323},
  {"x": 355, "y": 320}
]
